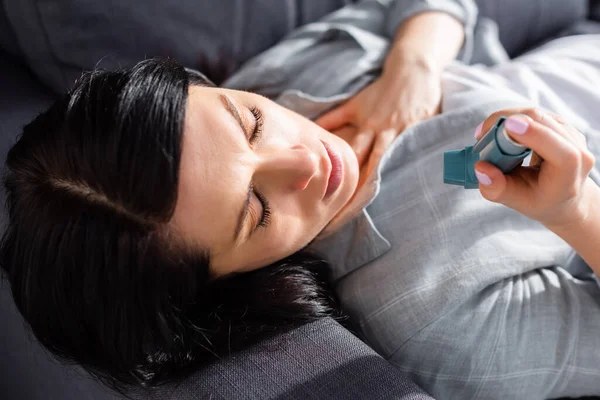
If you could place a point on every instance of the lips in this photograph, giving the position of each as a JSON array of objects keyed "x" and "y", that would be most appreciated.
[{"x": 337, "y": 171}]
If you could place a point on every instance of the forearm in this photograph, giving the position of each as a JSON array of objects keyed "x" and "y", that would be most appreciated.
[
  {"x": 584, "y": 233},
  {"x": 430, "y": 39}
]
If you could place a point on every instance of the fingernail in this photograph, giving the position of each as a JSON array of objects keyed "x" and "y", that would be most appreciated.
[
  {"x": 478, "y": 131},
  {"x": 483, "y": 178},
  {"x": 516, "y": 125}
]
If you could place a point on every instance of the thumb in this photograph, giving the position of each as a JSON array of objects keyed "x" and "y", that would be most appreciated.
[
  {"x": 362, "y": 143},
  {"x": 337, "y": 117},
  {"x": 514, "y": 190}
]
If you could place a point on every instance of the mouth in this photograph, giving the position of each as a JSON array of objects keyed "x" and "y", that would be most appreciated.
[{"x": 336, "y": 173}]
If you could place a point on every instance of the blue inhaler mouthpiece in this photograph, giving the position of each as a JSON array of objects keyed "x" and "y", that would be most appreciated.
[{"x": 495, "y": 147}]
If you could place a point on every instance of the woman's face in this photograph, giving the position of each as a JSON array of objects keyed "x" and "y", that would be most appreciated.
[{"x": 257, "y": 181}]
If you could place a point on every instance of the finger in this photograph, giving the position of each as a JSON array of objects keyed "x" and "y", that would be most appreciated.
[
  {"x": 559, "y": 118},
  {"x": 438, "y": 109},
  {"x": 338, "y": 117},
  {"x": 362, "y": 143},
  {"x": 560, "y": 125},
  {"x": 580, "y": 141},
  {"x": 530, "y": 114},
  {"x": 549, "y": 144},
  {"x": 579, "y": 137},
  {"x": 407, "y": 124},
  {"x": 371, "y": 164},
  {"x": 514, "y": 190},
  {"x": 533, "y": 113},
  {"x": 536, "y": 160},
  {"x": 381, "y": 143},
  {"x": 562, "y": 158},
  {"x": 551, "y": 122},
  {"x": 549, "y": 119}
]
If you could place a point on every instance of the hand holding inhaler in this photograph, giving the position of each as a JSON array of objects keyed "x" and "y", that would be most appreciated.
[{"x": 554, "y": 189}]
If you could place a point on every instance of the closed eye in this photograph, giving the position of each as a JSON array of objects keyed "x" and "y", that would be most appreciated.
[
  {"x": 254, "y": 138},
  {"x": 258, "y": 125},
  {"x": 266, "y": 211}
]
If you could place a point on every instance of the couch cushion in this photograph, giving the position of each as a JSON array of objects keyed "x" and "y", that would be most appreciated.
[{"x": 320, "y": 360}]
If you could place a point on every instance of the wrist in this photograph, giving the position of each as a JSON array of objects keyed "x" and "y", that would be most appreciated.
[
  {"x": 584, "y": 216},
  {"x": 429, "y": 41},
  {"x": 403, "y": 56},
  {"x": 583, "y": 233}
]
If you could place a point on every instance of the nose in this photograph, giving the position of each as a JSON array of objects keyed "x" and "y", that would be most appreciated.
[{"x": 293, "y": 167}]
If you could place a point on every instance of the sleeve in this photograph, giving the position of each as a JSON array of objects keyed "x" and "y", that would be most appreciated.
[
  {"x": 340, "y": 54},
  {"x": 324, "y": 61},
  {"x": 535, "y": 335},
  {"x": 463, "y": 10}
]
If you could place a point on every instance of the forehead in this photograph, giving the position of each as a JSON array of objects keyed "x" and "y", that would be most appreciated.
[{"x": 211, "y": 186}]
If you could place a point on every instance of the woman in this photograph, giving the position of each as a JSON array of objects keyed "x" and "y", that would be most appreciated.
[{"x": 132, "y": 230}]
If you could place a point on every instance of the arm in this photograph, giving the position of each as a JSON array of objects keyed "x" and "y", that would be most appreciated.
[
  {"x": 429, "y": 40},
  {"x": 533, "y": 336}
]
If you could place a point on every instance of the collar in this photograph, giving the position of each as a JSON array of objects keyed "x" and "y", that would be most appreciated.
[
  {"x": 352, "y": 233},
  {"x": 357, "y": 243}
]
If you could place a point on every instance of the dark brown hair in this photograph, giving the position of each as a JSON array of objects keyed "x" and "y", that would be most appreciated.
[{"x": 94, "y": 268}]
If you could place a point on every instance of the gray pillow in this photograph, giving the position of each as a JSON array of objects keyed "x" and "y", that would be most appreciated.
[
  {"x": 595, "y": 10},
  {"x": 60, "y": 38},
  {"x": 523, "y": 24}
]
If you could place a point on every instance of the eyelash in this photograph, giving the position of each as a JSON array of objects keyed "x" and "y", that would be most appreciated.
[
  {"x": 266, "y": 215},
  {"x": 258, "y": 126},
  {"x": 254, "y": 137}
]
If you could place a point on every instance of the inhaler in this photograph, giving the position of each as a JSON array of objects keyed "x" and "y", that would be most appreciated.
[{"x": 495, "y": 147}]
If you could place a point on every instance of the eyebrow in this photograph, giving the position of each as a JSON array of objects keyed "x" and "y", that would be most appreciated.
[
  {"x": 232, "y": 109},
  {"x": 229, "y": 106}
]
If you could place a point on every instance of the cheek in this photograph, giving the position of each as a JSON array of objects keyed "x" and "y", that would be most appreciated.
[
  {"x": 291, "y": 234},
  {"x": 297, "y": 128},
  {"x": 270, "y": 248},
  {"x": 301, "y": 215}
]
